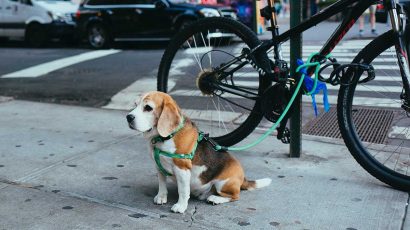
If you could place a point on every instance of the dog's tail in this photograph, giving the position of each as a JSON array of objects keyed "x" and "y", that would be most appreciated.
[{"x": 253, "y": 184}]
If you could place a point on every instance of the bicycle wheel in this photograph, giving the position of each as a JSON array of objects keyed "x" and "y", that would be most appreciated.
[
  {"x": 377, "y": 103},
  {"x": 190, "y": 71}
]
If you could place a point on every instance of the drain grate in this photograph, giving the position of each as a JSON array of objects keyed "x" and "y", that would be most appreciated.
[{"x": 372, "y": 124}]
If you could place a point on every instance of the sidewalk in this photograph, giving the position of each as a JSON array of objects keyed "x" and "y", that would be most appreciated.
[{"x": 66, "y": 167}]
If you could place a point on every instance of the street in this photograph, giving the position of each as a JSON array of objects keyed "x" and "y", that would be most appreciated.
[
  {"x": 94, "y": 81},
  {"x": 88, "y": 83}
]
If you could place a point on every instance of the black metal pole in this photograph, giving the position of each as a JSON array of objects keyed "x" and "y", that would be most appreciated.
[
  {"x": 295, "y": 53},
  {"x": 254, "y": 17}
]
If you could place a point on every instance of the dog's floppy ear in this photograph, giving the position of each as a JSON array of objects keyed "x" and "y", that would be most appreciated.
[{"x": 169, "y": 118}]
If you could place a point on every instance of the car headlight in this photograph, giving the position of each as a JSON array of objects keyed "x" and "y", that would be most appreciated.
[
  {"x": 209, "y": 12},
  {"x": 56, "y": 16}
]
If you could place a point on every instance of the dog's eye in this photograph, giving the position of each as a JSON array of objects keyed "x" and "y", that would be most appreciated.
[{"x": 147, "y": 108}]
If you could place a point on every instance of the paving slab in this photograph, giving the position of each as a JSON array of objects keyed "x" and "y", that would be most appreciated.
[
  {"x": 114, "y": 177},
  {"x": 28, "y": 208},
  {"x": 35, "y": 136}
]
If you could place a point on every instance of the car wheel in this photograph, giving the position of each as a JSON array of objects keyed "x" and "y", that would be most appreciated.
[
  {"x": 98, "y": 36},
  {"x": 36, "y": 35}
]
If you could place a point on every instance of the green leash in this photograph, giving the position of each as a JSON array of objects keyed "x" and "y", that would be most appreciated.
[
  {"x": 158, "y": 152},
  {"x": 272, "y": 129}
]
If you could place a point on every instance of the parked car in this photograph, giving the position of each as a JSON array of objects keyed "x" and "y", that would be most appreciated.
[
  {"x": 103, "y": 21},
  {"x": 37, "y": 20}
]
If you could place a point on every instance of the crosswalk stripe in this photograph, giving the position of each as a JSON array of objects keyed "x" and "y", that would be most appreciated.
[
  {"x": 254, "y": 74},
  {"x": 209, "y": 115},
  {"x": 375, "y": 65},
  {"x": 385, "y": 64},
  {"x": 334, "y": 54},
  {"x": 359, "y": 88},
  {"x": 359, "y": 101},
  {"x": 125, "y": 98},
  {"x": 45, "y": 68},
  {"x": 316, "y": 48}
]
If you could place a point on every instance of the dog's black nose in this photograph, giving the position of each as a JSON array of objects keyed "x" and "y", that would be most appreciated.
[{"x": 130, "y": 117}]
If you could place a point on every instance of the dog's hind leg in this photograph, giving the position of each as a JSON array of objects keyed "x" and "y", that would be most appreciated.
[
  {"x": 228, "y": 191},
  {"x": 217, "y": 199}
]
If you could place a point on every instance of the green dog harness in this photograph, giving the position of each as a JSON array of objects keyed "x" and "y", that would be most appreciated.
[{"x": 158, "y": 152}]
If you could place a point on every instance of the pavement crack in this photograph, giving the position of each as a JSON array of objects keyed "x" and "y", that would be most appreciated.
[
  {"x": 405, "y": 212},
  {"x": 7, "y": 183},
  {"x": 192, "y": 216}
]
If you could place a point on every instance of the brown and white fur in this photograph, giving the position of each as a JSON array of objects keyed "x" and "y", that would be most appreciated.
[{"x": 217, "y": 177}]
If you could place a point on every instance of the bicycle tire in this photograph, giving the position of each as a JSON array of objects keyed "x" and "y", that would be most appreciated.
[
  {"x": 368, "y": 155},
  {"x": 248, "y": 37}
]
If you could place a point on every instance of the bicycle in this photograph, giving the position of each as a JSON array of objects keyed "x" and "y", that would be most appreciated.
[{"x": 223, "y": 52}]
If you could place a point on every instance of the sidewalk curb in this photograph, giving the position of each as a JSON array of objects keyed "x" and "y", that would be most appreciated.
[{"x": 5, "y": 99}]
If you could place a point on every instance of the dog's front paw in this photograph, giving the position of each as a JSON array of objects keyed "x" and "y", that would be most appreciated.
[
  {"x": 178, "y": 207},
  {"x": 160, "y": 199}
]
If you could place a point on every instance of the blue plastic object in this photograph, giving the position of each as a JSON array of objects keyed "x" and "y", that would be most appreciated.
[{"x": 309, "y": 84}]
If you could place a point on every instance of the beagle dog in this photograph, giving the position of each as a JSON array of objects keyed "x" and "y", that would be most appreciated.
[{"x": 208, "y": 174}]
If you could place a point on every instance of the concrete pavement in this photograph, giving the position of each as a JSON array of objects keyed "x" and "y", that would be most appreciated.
[{"x": 66, "y": 167}]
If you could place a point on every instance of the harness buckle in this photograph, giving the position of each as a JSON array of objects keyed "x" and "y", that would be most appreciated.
[{"x": 215, "y": 145}]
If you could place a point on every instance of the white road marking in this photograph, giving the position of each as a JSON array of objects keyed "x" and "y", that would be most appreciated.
[
  {"x": 45, "y": 68},
  {"x": 335, "y": 54},
  {"x": 198, "y": 50},
  {"x": 208, "y": 115},
  {"x": 182, "y": 63},
  {"x": 345, "y": 52},
  {"x": 254, "y": 74},
  {"x": 362, "y": 101},
  {"x": 376, "y": 66},
  {"x": 124, "y": 100},
  {"x": 359, "y": 88}
]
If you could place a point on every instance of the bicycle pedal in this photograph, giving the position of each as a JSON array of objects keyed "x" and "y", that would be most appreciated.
[{"x": 284, "y": 136}]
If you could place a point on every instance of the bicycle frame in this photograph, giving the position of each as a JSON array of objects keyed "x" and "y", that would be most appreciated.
[
  {"x": 348, "y": 21},
  {"x": 355, "y": 8}
]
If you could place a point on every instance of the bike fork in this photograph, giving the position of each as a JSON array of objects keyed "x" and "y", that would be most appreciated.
[{"x": 398, "y": 22}]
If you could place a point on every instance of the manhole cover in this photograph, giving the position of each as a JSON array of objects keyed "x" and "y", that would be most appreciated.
[{"x": 372, "y": 124}]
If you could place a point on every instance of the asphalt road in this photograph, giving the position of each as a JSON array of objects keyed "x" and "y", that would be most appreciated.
[{"x": 88, "y": 83}]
